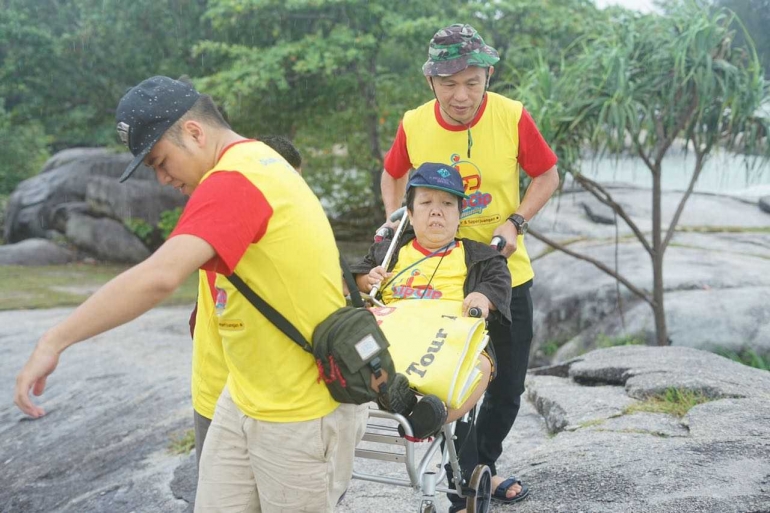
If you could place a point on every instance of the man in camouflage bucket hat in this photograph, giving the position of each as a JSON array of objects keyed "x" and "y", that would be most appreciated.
[
  {"x": 443, "y": 130},
  {"x": 455, "y": 48}
]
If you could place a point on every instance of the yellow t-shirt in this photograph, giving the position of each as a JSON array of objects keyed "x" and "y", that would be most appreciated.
[
  {"x": 490, "y": 174},
  {"x": 423, "y": 274},
  {"x": 209, "y": 371},
  {"x": 267, "y": 226}
]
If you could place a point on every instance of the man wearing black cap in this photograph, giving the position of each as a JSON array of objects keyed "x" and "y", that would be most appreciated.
[
  {"x": 248, "y": 214},
  {"x": 488, "y": 138}
]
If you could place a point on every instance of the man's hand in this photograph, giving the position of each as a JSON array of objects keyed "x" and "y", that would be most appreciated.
[
  {"x": 478, "y": 300},
  {"x": 32, "y": 377},
  {"x": 507, "y": 231}
]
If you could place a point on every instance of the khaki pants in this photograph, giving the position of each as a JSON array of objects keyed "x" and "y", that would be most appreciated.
[{"x": 252, "y": 466}]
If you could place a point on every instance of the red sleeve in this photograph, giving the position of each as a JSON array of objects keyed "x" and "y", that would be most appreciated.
[
  {"x": 230, "y": 213},
  {"x": 397, "y": 161},
  {"x": 535, "y": 156}
]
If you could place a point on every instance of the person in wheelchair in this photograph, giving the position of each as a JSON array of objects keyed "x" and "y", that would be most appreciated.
[{"x": 432, "y": 263}]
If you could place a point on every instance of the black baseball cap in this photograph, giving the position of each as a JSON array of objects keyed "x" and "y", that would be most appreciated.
[
  {"x": 147, "y": 110},
  {"x": 438, "y": 176}
]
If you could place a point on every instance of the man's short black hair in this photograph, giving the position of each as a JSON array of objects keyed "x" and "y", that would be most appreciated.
[
  {"x": 204, "y": 109},
  {"x": 285, "y": 149}
]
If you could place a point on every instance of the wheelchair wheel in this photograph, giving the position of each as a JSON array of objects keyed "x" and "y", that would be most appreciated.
[{"x": 481, "y": 484}]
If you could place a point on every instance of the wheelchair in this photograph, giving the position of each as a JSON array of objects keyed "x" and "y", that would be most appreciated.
[{"x": 426, "y": 473}]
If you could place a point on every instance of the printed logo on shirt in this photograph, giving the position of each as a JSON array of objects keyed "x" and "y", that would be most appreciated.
[
  {"x": 231, "y": 325},
  {"x": 221, "y": 301},
  {"x": 477, "y": 199},
  {"x": 422, "y": 289}
]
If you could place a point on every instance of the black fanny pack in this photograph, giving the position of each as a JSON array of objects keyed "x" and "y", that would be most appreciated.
[{"x": 349, "y": 348}]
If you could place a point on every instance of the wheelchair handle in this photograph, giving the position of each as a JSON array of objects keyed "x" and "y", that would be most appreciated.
[
  {"x": 498, "y": 242},
  {"x": 383, "y": 233},
  {"x": 474, "y": 311}
]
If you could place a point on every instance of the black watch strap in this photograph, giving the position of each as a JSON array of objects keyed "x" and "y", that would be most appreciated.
[{"x": 519, "y": 222}]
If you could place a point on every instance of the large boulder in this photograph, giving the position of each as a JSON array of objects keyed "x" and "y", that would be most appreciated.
[
  {"x": 134, "y": 199},
  {"x": 36, "y": 252},
  {"x": 40, "y": 205},
  {"x": 105, "y": 238},
  {"x": 716, "y": 276}
]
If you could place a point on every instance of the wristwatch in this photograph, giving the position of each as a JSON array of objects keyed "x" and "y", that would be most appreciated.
[{"x": 520, "y": 223}]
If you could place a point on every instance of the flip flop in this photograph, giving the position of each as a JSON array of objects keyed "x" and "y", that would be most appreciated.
[{"x": 502, "y": 488}]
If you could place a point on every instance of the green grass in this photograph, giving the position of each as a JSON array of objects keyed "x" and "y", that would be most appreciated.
[
  {"x": 723, "y": 229},
  {"x": 673, "y": 401},
  {"x": 182, "y": 443},
  {"x": 30, "y": 287},
  {"x": 550, "y": 348},
  {"x": 747, "y": 357},
  {"x": 591, "y": 423}
]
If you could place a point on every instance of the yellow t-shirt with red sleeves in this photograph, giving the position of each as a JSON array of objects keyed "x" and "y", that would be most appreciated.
[
  {"x": 209, "y": 371},
  {"x": 504, "y": 138},
  {"x": 267, "y": 226},
  {"x": 423, "y": 274}
]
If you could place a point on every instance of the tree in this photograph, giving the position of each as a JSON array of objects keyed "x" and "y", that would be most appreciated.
[
  {"x": 639, "y": 84},
  {"x": 334, "y": 74},
  {"x": 66, "y": 64},
  {"x": 755, "y": 15}
]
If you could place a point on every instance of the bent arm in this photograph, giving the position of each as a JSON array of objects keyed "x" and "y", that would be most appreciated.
[
  {"x": 495, "y": 284},
  {"x": 540, "y": 190},
  {"x": 393, "y": 191}
]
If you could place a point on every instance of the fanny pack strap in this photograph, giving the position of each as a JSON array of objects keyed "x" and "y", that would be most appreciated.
[{"x": 281, "y": 322}]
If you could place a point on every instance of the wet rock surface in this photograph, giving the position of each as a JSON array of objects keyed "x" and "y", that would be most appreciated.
[
  {"x": 115, "y": 402},
  {"x": 716, "y": 275}
]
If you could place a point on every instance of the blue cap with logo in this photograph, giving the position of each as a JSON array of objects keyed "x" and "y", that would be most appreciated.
[{"x": 438, "y": 176}]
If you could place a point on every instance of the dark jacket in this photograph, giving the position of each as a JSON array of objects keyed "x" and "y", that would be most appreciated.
[{"x": 487, "y": 271}]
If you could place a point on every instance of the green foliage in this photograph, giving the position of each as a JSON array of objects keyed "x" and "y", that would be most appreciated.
[
  {"x": 550, "y": 348},
  {"x": 168, "y": 220},
  {"x": 141, "y": 228},
  {"x": 22, "y": 152},
  {"x": 66, "y": 64},
  {"x": 755, "y": 17},
  {"x": 747, "y": 357},
  {"x": 673, "y": 401},
  {"x": 182, "y": 443},
  {"x": 335, "y": 75},
  {"x": 3, "y": 204},
  {"x": 625, "y": 340}
]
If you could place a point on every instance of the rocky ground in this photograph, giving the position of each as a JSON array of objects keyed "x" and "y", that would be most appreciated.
[
  {"x": 716, "y": 274},
  {"x": 115, "y": 403}
]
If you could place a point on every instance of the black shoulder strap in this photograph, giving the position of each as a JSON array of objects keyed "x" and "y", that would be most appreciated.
[
  {"x": 281, "y": 322},
  {"x": 355, "y": 296},
  {"x": 270, "y": 313}
]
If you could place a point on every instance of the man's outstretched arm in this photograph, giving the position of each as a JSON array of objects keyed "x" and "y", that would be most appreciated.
[{"x": 121, "y": 300}]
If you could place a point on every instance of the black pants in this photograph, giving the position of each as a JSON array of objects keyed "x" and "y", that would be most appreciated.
[{"x": 482, "y": 443}]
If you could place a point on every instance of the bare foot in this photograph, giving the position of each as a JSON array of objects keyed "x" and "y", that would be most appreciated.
[{"x": 511, "y": 492}]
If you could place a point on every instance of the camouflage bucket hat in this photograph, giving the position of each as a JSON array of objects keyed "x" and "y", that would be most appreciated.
[{"x": 455, "y": 48}]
